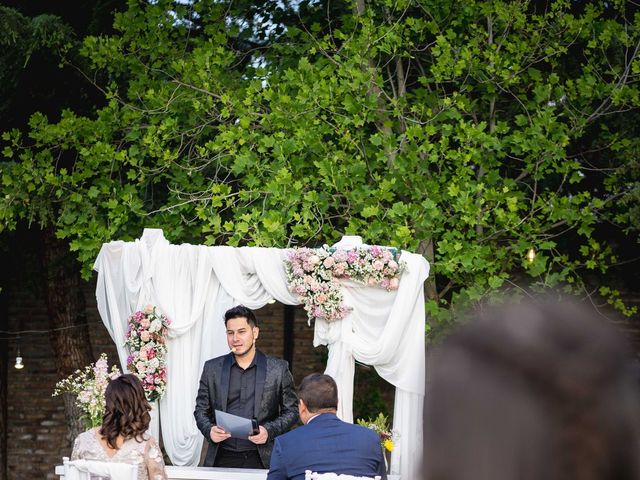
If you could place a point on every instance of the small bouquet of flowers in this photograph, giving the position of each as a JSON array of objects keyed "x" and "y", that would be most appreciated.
[
  {"x": 146, "y": 339},
  {"x": 89, "y": 386},
  {"x": 381, "y": 426}
]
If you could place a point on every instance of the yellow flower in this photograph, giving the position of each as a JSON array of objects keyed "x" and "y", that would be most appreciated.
[{"x": 388, "y": 444}]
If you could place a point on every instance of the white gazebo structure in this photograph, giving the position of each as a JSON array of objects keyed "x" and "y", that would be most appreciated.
[{"x": 194, "y": 285}]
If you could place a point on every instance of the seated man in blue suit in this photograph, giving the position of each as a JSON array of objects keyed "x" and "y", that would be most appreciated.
[{"x": 325, "y": 443}]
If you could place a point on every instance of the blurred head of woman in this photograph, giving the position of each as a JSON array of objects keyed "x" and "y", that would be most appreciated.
[
  {"x": 544, "y": 390},
  {"x": 126, "y": 411}
]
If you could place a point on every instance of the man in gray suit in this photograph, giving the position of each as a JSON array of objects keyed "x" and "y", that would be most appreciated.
[{"x": 247, "y": 383}]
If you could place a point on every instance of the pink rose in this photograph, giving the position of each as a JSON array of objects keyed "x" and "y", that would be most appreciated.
[
  {"x": 352, "y": 256},
  {"x": 329, "y": 262},
  {"x": 314, "y": 259},
  {"x": 321, "y": 298},
  {"x": 300, "y": 289},
  {"x": 376, "y": 251},
  {"x": 371, "y": 281},
  {"x": 394, "y": 283},
  {"x": 148, "y": 309},
  {"x": 145, "y": 336},
  {"x": 377, "y": 265},
  {"x": 393, "y": 265},
  {"x": 338, "y": 270},
  {"x": 145, "y": 322}
]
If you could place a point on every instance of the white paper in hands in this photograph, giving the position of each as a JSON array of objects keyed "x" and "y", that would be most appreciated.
[{"x": 238, "y": 427}]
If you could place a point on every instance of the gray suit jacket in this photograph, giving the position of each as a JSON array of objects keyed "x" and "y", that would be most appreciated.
[{"x": 276, "y": 406}]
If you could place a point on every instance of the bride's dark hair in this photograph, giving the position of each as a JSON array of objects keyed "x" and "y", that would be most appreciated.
[{"x": 126, "y": 411}]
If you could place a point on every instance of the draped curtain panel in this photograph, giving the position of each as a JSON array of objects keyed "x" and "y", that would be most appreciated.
[{"x": 194, "y": 285}]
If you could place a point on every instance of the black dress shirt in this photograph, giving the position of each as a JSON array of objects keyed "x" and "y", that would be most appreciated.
[{"x": 241, "y": 401}]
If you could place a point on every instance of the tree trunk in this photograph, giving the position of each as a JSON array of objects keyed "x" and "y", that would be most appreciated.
[
  {"x": 4, "y": 365},
  {"x": 425, "y": 248},
  {"x": 67, "y": 319},
  {"x": 382, "y": 121}
]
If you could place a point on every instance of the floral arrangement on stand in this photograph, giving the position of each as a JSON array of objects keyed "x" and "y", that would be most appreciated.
[
  {"x": 381, "y": 426},
  {"x": 89, "y": 386},
  {"x": 146, "y": 340},
  {"x": 313, "y": 275}
]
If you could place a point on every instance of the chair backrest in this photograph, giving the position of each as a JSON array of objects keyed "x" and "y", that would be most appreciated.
[
  {"x": 89, "y": 469},
  {"x": 309, "y": 475}
]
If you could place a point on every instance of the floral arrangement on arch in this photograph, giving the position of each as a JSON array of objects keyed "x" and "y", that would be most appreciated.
[
  {"x": 381, "y": 426},
  {"x": 313, "y": 275},
  {"x": 146, "y": 340},
  {"x": 88, "y": 386}
]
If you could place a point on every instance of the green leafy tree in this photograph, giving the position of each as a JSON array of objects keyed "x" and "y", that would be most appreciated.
[
  {"x": 33, "y": 41},
  {"x": 467, "y": 131}
]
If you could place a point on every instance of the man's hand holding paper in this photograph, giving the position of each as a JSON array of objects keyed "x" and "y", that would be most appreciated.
[
  {"x": 234, "y": 426},
  {"x": 218, "y": 434}
]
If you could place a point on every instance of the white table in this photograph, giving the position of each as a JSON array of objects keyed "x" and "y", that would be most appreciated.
[{"x": 211, "y": 473}]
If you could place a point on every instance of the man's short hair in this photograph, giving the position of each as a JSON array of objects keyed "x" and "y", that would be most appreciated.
[
  {"x": 319, "y": 392},
  {"x": 240, "y": 311}
]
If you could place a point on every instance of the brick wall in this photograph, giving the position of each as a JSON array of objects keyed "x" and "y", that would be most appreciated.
[
  {"x": 36, "y": 430},
  {"x": 37, "y": 436}
]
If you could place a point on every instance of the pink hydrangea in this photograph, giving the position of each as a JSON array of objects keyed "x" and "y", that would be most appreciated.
[
  {"x": 341, "y": 255},
  {"x": 352, "y": 256}
]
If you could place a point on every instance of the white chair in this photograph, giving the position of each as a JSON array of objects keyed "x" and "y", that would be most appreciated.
[
  {"x": 90, "y": 469},
  {"x": 309, "y": 475}
]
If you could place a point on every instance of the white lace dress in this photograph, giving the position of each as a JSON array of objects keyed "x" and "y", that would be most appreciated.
[{"x": 146, "y": 454}]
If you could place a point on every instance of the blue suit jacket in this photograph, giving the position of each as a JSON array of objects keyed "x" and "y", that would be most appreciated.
[{"x": 327, "y": 444}]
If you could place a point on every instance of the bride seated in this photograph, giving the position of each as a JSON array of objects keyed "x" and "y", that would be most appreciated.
[{"x": 123, "y": 436}]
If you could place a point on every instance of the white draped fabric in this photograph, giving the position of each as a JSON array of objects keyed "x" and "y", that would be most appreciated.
[{"x": 194, "y": 285}]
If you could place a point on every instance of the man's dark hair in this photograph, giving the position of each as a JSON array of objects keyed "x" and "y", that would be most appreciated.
[
  {"x": 319, "y": 392},
  {"x": 240, "y": 311}
]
